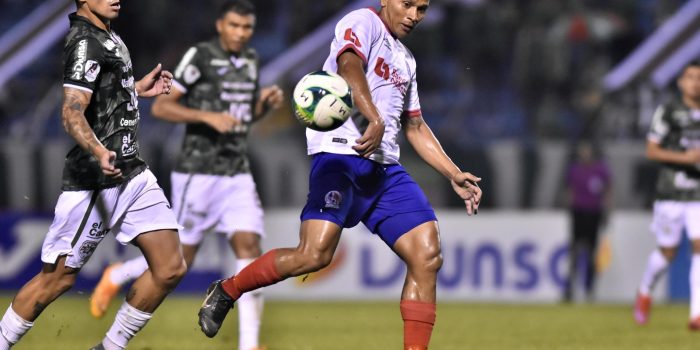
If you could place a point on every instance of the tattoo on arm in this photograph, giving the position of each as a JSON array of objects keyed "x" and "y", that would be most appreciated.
[
  {"x": 75, "y": 102},
  {"x": 38, "y": 308}
]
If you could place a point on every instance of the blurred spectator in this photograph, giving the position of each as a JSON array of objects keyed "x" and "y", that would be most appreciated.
[{"x": 589, "y": 200}]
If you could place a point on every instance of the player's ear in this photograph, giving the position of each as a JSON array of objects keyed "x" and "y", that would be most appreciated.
[
  {"x": 219, "y": 25},
  {"x": 382, "y": 3}
]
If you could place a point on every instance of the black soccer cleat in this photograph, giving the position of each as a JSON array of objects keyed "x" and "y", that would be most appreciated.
[
  {"x": 98, "y": 347},
  {"x": 214, "y": 309}
]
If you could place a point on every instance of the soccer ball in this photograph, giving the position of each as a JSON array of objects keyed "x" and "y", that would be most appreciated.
[{"x": 322, "y": 100}]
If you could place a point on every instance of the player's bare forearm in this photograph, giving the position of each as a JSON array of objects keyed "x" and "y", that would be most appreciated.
[
  {"x": 75, "y": 102},
  {"x": 657, "y": 153},
  {"x": 428, "y": 147},
  {"x": 167, "y": 107},
  {"x": 350, "y": 67}
]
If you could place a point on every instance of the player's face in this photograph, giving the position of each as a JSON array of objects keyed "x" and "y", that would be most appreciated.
[
  {"x": 235, "y": 30},
  {"x": 105, "y": 9},
  {"x": 402, "y": 16},
  {"x": 689, "y": 83}
]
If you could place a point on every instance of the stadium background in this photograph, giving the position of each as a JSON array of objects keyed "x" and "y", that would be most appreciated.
[{"x": 507, "y": 85}]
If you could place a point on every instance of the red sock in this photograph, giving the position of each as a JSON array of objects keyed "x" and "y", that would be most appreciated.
[
  {"x": 418, "y": 320},
  {"x": 260, "y": 273}
]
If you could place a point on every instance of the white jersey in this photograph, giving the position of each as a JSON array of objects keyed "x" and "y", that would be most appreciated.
[{"x": 390, "y": 69}]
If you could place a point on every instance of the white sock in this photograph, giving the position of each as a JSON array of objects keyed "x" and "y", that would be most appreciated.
[
  {"x": 127, "y": 323},
  {"x": 695, "y": 287},
  {"x": 250, "y": 307},
  {"x": 128, "y": 271},
  {"x": 12, "y": 328},
  {"x": 656, "y": 266}
]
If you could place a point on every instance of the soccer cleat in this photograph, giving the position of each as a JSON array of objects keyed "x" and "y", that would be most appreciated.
[
  {"x": 104, "y": 293},
  {"x": 642, "y": 307},
  {"x": 98, "y": 347},
  {"x": 214, "y": 309},
  {"x": 694, "y": 324}
]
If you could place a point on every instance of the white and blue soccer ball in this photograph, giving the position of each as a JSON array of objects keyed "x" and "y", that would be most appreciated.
[{"x": 322, "y": 100}]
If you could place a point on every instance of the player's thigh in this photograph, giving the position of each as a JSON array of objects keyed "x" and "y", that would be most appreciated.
[
  {"x": 192, "y": 197},
  {"x": 400, "y": 207},
  {"x": 161, "y": 248},
  {"x": 667, "y": 223},
  {"x": 420, "y": 246},
  {"x": 239, "y": 208},
  {"x": 332, "y": 195},
  {"x": 146, "y": 210},
  {"x": 692, "y": 223}
]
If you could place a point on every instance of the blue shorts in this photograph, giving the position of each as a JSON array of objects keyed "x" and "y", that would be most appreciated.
[{"x": 347, "y": 189}]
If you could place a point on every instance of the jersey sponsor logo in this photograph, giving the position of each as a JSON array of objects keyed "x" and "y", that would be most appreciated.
[
  {"x": 128, "y": 122},
  {"x": 109, "y": 45},
  {"x": 129, "y": 146},
  {"x": 191, "y": 74},
  {"x": 80, "y": 55},
  {"x": 97, "y": 231},
  {"x": 333, "y": 199},
  {"x": 92, "y": 69},
  {"x": 339, "y": 140},
  {"x": 382, "y": 69},
  {"x": 220, "y": 62},
  {"x": 352, "y": 37}
]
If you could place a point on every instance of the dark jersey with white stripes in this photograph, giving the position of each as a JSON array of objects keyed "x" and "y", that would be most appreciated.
[
  {"x": 216, "y": 80},
  {"x": 97, "y": 61},
  {"x": 675, "y": 127}
]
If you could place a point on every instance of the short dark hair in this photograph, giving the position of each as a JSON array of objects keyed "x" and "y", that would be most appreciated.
[
  {"x": 693, "y": 63},
  {"x": 241, "y": 7}
]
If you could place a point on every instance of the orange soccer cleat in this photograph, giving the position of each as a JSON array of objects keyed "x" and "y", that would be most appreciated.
[
  {"x": 642, "y": 307},
  {"x": 104, "y": 293}
]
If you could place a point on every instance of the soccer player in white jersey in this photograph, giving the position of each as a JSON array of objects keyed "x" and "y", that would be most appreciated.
[
  {"x": 674, "y": 141},
  {"x": 356, "y": 175},
  {"x": 107, "y": 187},
  {"x": 217, "y": 95}
]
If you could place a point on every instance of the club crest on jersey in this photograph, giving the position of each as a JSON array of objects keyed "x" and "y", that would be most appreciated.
[
  {"x": 191, "y": 74},
  {"x": 333, "y": 199},
  {"x": 86, "y": 249},
  {"x": 92, "y": 69}
]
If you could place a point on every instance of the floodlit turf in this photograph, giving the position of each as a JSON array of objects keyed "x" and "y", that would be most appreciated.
[{"x": 333, "y": 325}]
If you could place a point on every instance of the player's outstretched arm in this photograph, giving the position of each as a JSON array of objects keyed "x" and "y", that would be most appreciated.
[
  {"x": 270, "y": 99},
  {"x": 351, "y": 68},
  {"x": 429, "y": 149},
  {"x": 167, "y": 107},
  {"x": 75, "y": 102},
  {"x": 155, "y": 83}
]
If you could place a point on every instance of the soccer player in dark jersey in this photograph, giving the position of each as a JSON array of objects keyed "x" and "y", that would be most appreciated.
[
  {"x": 107, "y": 187},
  {"x": 674, "y": 142},
  {"x": 216, "y": 93},
  {"x": 356, "y": 175}
]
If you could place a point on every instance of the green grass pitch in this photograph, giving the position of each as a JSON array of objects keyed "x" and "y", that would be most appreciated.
[{"x": 66, "y": 324}]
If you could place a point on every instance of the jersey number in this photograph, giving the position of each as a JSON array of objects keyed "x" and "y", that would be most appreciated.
[{"x": 242, "y": 112}]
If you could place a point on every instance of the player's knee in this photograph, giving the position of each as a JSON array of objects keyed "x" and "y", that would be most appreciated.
[
  {"x": 171, "y": 274},
  {"x": 59, "y": 283},
  {"x": 316, "y": 260},
  {"x": 430, "y": 259}
]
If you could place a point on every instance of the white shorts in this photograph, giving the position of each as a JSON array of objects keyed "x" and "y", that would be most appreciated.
[
  {"x": 670, "y": 217},
  {"x": 213, "y": 203},
  {"x": 83, "y": 218}
]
